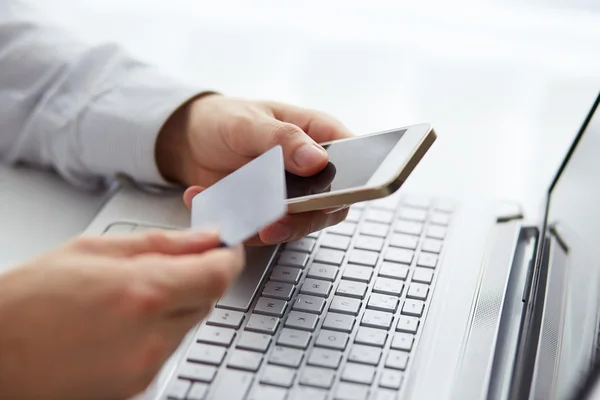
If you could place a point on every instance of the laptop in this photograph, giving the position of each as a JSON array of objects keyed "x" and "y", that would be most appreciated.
[{"x": 411, "y": 297}]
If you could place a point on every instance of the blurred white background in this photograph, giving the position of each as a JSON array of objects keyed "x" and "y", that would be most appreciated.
[{"x": 505, "y": 83}]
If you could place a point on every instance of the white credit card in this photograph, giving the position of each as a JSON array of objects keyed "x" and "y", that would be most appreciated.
[{"x": 245, "y": 201}]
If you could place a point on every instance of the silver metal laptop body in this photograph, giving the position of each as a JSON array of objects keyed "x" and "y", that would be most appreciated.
[{"x": 410, "y": 298}]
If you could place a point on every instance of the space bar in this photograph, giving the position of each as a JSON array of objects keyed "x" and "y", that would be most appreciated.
[{"x": 240, "y": 294}]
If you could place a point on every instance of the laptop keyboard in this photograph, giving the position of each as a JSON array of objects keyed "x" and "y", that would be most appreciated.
[{"x": 338, "y": 316}]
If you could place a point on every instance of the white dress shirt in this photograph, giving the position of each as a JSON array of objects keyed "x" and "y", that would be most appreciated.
[{"x": 90, "y": 113}]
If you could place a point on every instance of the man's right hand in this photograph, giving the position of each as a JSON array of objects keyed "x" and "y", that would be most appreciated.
[{"x": 97, "y": 318}]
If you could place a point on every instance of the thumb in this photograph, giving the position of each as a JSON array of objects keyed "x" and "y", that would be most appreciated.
[{"x": 301, "y": 154}]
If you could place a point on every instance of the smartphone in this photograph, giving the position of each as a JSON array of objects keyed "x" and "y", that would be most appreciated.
[{"x": 360, "y": 168}]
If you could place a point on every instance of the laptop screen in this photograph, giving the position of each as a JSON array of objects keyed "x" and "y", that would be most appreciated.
[{"x": 569, "y": 330}]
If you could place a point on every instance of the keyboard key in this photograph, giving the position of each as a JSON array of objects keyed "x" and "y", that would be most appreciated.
[
  {"x": 371, "y": 336},
  {"x": 388, "y": 286},
  {"x": 417, "y": 291},
  {"x": 345, "y": 228},
  {"x": 368, "y": 243},
  {"x": 198, "y": 391},
  {"x": 304, "y": 245},
  {"x": 377, "y": 319},
  {"x": 374, "y": 229},
  {"x": 254, "y": 341},
  {"x": 358, "y": 373},
  {"x": 330, "y": 256},
  {"x": 354, "y": 214},
  {"x": 215, "y": 335},
  {"x": 428, "y": 260},
  {"x": 351, "y": 391},
  {"x": 262, "y": 392},
  {"x": 271, "y": 307},
  {"x": 309, "y": 304},
  {"x": 397, "y": 360},
  {"x": 413, "y": 308},
  {"x": 365, "y": 354},
  {"x": 323, "y": 271},
  {"x": 436, "y": 232},
  {"x": 286, "y": 274},
  {"x": 245, "y": 360},
  {"x": 407, "y": 324},
  {"x": 225, "y": 390},
  {"x": 363, "y": 257},
  {"x": 393, "y": 270},
  {"x": 402, "y": 256},
  {"x": 416, "y": 201},
  {"x": 334, "y": 241},
  {"x": 402, "y": 341},
  {"x": 356, "y": 273},
  {"x": 382, "y": 302},
  {"x": 404, "y": 241},
  {"x": 386, "y": 203},
  {"x": 390, "y": 379},
  {"x": 316, "y": 287},
  {"x": 432, "y": 245},
  {"x": 413, "y": 214},
  {"x": 381, "y": 216},
  {"x": 317, "y": 377},
  {"x": 332, "y": 340},
  {"x": 262, "y": 324},
  {"x": 386, "y": 394},
  {"x": 345, "y": 305},
  {"x": 225, "y": 318},
  {"x": 440, "y": 218},
  {"x": 196, "y": 372},
  {"x": 324, "y": 358},
  {"x": 293, "y": 259},
  {"x": 423, "y": 275},
  {"x": 339, "y": 322},
  {"x": 409, "y": 227},
  {"x": 301, "y": 320},
  {"x": 278, "y": 290},
  {"x": 351, "y": 289},
  {"x": 277, "y": 376},
  {"x": 178, "y": 389},
  {"x": 314, "y": 235},
  {"x": 206, "y": 354},
  {"x": 305, "y": 392},
  {"x": 445, "y": 206},
  {"x": 286, "y": 357},
  {"x": 294, "y": 338}
]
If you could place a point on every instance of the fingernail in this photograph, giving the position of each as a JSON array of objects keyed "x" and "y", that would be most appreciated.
[
  {"x": 308, "y": 155},
  {"x": 279, "y": 233}
]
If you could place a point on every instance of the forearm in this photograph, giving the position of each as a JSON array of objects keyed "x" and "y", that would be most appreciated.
[{"x": 90, "y": 113}]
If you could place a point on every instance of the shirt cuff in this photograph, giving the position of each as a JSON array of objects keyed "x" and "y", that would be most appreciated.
[{"x": 118, "y": 130}]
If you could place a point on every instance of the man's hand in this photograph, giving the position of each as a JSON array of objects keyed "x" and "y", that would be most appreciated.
[
  {"x": 214, "y": 135},
  {"x": 98, "y": 317}
]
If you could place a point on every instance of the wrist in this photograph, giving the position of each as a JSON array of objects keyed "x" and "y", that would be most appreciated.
[
  {"x": 172, "y": 151},
  {"x": 170, "y": 145}
]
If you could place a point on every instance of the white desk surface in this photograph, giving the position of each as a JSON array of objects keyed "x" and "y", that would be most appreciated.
[{"x": 505, "y": 87}]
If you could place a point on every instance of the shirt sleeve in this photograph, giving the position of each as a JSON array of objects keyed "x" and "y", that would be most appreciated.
[{"x": 89, "y": 112}]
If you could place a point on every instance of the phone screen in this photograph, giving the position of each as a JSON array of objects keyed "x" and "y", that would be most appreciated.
[{"x": 351, "y": 165}]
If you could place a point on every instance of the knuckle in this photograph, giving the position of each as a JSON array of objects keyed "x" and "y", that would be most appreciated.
[
  {"x": 284, "y": 132},
  {"x": 145, "y": 300},
  {"x": 157, "y": 238},
  {"x": 85, "y": 242}
]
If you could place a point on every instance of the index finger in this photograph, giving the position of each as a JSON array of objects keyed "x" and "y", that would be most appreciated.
[{"x": 318, "y": 125}]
